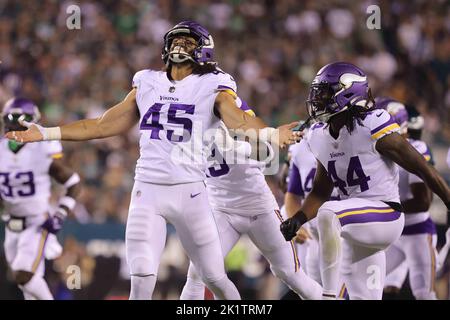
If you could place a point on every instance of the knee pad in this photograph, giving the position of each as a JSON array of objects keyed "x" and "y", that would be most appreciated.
[{"x": 141, "y": 266}]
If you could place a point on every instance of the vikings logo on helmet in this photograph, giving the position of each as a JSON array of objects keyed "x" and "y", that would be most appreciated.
[
  {"x": 396, "y": 109},
  {"x": 19, "y": 109},
  {"x": 336, "y": 87},
  {"x": 203, "y": 52}
]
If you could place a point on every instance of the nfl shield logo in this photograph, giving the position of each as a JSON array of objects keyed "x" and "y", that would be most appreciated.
[
  {"x": 335, "y": 145},
  {"x": 172, "y": 89}
]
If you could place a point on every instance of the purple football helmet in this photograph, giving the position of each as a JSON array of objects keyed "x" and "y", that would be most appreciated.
[
  {"x": 204, "y": 51},
  {"x": 396, "y": 109},
  {"x": 16, "y": 109},
  {"x": 336, "y": 87}
]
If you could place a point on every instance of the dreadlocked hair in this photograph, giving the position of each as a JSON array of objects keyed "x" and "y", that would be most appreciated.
[{"x": 356, "y": 114}]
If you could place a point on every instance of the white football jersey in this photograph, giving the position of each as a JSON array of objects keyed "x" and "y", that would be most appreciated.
[
  {"x": 303, "y": 160},
  {"x": 24, "y": 177},
  {"x": 407, "y": 178},
  {"x": 355, "y": 166},
  {"x": 174, "y": 119},
  {"x": 238, "y": 188}
]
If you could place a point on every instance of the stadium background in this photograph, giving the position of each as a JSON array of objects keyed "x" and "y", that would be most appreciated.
[{"x": 272, "y": 48}]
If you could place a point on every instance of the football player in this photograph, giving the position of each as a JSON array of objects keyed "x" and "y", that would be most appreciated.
[
  {"x": 417, "y": 244},
  {"x": 175, "y": 109},
  {"x": 243, "y": 203},
  {"x": 301, "y": 177},
  {"x": 357, "y": 148},
  {"x": 25, "y": 175}
]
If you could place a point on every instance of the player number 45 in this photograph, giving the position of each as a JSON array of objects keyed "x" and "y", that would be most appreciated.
[{"x": 152, "y": 121}]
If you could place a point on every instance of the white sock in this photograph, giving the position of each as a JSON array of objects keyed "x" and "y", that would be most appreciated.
[
  {"x": 330, "y": 253},
  {"x": 193, "y": 290},
  {"x": 37, "y": 288},
  {"x": 142, "y": 287}
]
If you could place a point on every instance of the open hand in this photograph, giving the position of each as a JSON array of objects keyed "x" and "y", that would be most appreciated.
[
  {"x": 286, "y": 136},
  {"x": 32, "y": 134}
]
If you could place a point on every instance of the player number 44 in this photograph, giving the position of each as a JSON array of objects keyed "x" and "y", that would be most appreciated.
[{"x": 354, "y": 169}]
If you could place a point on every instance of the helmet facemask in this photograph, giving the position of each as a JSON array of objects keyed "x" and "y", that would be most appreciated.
[
  {"x": 202, "y": 53},
  {"x": 184, "y": 49},
  {"x": 321, "y": 102},
  {"x": 12, "y": 121}
]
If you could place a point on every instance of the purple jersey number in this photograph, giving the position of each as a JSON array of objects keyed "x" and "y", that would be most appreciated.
[
  {"x": 354, "y": 167},
  {"x": 5, "y": 190},
  {"x": 223, "y": 169},
  {"x": 309, "y": 180},
  {"x": 25, "y": 183},
  {"x": 153, "y": 114}
]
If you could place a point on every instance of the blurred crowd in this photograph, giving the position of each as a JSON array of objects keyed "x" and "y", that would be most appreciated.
[{"x": 272, "y": 48}]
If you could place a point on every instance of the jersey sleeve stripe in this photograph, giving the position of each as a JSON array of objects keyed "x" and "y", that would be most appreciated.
[
  {"x": 228, "y": 90},
  {"x": 390, "y": 128},
  {"x": 245, "y": 107},
  {"x": 251, "y": 112},
  {"x": 384, "y": 125},
  {"x": 58, "y": 155}
]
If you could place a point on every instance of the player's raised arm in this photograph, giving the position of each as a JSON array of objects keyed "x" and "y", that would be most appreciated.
[
  {"x": 235, "y": 118},
  {"x": 320, "y": 193},
  {"x": 114, "y": 121},
  {"x": 396, "y": 148}
]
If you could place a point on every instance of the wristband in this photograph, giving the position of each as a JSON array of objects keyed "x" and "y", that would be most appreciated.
[
  {"x": 62, "y": 211},
  {"x": 300, "y": 216},
  {"x": 53, "y": 133},
  {"x": 73, "y": 180},
  {"x": 67, "y": 202}
]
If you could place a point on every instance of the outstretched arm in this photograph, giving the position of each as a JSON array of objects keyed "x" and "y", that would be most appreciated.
[
  {"x": 399, "y": 150},
  {"x": 235, "y": 118},
  {"x": 114, "y": 121}
]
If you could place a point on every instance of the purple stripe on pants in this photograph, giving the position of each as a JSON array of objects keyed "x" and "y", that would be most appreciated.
[
  {"x": 370, "y": 217},
  {"x": 426, "y": 226},
  {"x": 363, "y": 208}
]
